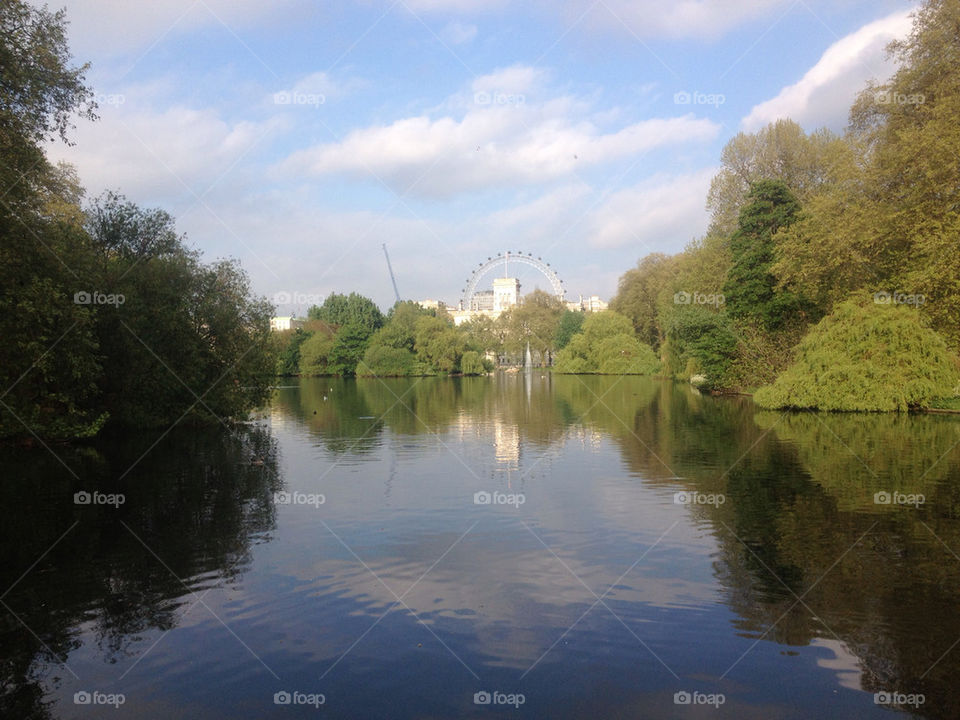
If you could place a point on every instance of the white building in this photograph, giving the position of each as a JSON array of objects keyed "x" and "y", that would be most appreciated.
[{"x": 279, "y": 324}]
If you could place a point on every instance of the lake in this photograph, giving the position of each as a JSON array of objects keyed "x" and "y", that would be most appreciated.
[{"x": 521, "y": 545}]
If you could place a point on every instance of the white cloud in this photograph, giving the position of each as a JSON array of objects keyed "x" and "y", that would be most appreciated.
[
  {"x": 824, "y": 94},
  {"x": 661, "y": 214},
  {"x": 158, "y": 154},
  {"x": 456, "y": 33},
  {"x": 502, "y": 139}
]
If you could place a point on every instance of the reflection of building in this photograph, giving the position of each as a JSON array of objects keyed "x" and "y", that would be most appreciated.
[
  {"x": 278, "y": 324},
  {"x": 506, "y": 443}
]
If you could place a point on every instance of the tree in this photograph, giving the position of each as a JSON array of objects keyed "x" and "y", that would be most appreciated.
[
  {"x": 698, "y": 341},
  {"x": 607, "y": 345},
  {"x": 439, "y": 345},
  {"x": 780, "y": 151},
  {"x": 386, "y": 361},
  {"x": 349, "y": 345},
  {"x": 866, "y": 356},
  {"x": 49, "y": 359},
  {"x": 638, "y": 295},
  {"x": 751, "y": 288},
  {"x": 571, "y": 321},
  {"x": 534, "y": 321},
  {"x": 340, "y": 310}
]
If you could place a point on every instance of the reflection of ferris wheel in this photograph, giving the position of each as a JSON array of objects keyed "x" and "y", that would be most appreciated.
[{"x": 503, "y": 261}]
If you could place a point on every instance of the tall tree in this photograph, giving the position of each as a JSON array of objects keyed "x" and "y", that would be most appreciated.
[{"x": 751, "y": 288}]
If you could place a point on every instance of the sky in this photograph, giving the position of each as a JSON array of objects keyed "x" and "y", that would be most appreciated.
[{"x": 300, "y": 136}]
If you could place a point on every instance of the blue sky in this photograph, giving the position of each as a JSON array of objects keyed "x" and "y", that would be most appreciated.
[{"x": 299, "y": 136}]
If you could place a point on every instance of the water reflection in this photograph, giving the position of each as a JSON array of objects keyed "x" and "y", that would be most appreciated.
[{"x": 601, "y": 594}]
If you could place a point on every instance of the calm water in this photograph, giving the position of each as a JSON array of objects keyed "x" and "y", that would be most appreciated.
[{"x": 586, "y": 587}]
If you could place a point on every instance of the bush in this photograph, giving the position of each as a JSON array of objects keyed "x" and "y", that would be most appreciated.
[
  {"x": 384, "y": 361},
  {"x": 472, "y": 364},
  {"x": 607, "y": 346},
  {"x": 866, "y": 357},
  {"x": 699, "y": 341}
]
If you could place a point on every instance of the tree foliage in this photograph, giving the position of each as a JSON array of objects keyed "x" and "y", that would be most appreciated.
[
  {"x": 866, "y": 356},
  {"x": 607, "y": 346}
]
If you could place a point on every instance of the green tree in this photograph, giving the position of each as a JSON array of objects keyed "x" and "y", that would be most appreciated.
[
  {"x": 640, "y": 291},
  {"x": 315, "y": 353},
  {"x": 698, "y": 341},
  {"x": 338, "y": 310},
  {"x": 439, "y": 345},
  {"x": 570, "y": 324},
  {"x": 534, "y": 321},
  {"x": 780, "y": 151},
  {"x": 607, "y": 345},
  {"x": 751, "y": 288}
]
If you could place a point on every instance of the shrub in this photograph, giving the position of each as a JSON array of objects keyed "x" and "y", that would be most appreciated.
[
  {"x": 385, "y": 361},
  {"x": 607, "y": 346},
  {"x": 472, "y": 364},
  {"x": 865, "y": 357},
  {"x": 699, "y": 341}
]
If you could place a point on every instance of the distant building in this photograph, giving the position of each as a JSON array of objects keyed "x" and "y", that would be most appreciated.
[
  {"x": 279, "y": 324},
  {"x": 590, "y": 304},
  {"x": 431, "y": 304}
]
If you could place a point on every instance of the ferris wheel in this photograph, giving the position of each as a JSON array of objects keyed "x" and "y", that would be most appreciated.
[{"x": 503, "y": 262}]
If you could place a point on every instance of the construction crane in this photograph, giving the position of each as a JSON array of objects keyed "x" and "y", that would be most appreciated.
[{"x": 390, "y": 268}]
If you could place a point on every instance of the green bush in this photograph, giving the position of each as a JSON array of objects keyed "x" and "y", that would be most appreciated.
[
  {"x": 472, "y": 364},
  {"x": 385, "y": 361},
  {"x": 866, "y": 357},
  {"x": 607, "y": 346},
  {"x": 699, "y": 341}
]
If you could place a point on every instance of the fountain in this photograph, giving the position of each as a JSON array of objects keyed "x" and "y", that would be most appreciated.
[{"x": 528, "y": 359}]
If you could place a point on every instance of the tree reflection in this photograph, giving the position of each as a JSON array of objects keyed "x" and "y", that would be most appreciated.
[{"x": 199, "y": 499}]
